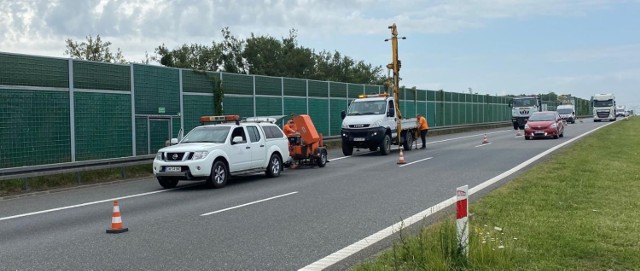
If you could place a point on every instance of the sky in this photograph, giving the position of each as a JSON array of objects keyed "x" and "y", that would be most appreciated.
[{"x": 495, "y": 47}]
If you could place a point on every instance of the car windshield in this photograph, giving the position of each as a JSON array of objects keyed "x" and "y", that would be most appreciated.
[
  {"x": 212, "y": 134},
  {"x": 565, "y": 111},
  {"x": 542, "y": 117},
  {"x": 520, "y": 102},
  {"x": 367, "y": 108}
]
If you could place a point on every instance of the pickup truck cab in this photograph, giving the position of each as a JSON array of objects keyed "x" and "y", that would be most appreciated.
[
  {"x": 216, "y": 152},
  {"x": 371, "y": 122}
]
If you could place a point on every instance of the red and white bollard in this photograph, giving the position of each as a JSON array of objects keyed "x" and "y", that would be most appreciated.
[{"x": 462, "y": 212}]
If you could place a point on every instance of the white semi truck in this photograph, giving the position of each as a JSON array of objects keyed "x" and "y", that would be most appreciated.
[
  {"x": 604, "y": 107},
  {"x": 370, "y": 122}
]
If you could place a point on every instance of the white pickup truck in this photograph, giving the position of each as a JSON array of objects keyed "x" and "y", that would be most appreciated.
[
  {"x": 216, "y": 152},
  {"x": 370, "y": 122}
]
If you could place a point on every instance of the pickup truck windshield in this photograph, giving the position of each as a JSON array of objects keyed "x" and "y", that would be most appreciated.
[
  {"x": 367, "y": 108},
  {"x": 212, "y": 134},
  {"x": 524, "y": 102}
]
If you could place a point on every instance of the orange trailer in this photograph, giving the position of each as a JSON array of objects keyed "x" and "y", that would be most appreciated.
[{"x": 306, "y": 146}]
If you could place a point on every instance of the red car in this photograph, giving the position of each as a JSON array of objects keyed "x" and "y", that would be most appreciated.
[{"x": 544, "y": 124}]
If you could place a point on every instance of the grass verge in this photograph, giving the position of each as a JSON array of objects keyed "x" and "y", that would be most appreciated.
[{"x": 576, "y": 211}]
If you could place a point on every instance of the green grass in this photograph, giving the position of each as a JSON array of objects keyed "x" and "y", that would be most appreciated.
[{"x": 576, "y": 211}]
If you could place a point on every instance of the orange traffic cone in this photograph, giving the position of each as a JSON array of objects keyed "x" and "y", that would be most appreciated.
[
  {"x": 485, "y": 140},
  {"x": 401, "y": 160},
  {"x": 518, "y": 132},
  {"x": 116, "y": 220}
]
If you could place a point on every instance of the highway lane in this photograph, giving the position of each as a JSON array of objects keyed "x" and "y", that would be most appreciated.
[{"x": 284, "y": 223}]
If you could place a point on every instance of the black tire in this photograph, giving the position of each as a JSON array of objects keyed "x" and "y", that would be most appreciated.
[
  {"x": 515, "y": 126},
  {"x": 275, "y": 166},
  {"x": 407, "y": 143},
  {"x": 347, "y": 149},
  {"x": 167, "y": 182},
  {"x": 385, "y": 145},
  {"x": 219, "y": 175},
  {"x": 526, "y": 138},
  {"x": 322, "y": 158}
]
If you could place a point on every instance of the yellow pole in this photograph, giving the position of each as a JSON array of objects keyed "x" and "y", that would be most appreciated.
[{"x": 396, "y": 79}]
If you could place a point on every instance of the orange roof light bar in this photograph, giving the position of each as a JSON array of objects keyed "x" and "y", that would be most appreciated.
[
  {"x": 219, "y": 118},
  {"x": 373, "y": 95}
]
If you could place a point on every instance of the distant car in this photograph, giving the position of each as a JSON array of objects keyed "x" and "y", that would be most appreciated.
[{"x": 544, "y": 124}]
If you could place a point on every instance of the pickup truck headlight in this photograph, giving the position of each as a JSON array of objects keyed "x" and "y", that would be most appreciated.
[
  {"x": 199, "y": 155},
  {"x": 159, "y": 156}
]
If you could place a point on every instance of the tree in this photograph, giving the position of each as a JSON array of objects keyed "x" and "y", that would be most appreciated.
[
  {"x": 93, "y": 50},
  {"x": 264, "y": 55}
]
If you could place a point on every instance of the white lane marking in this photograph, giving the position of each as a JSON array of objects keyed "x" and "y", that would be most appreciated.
[
  {"x": 372, "y": 239},
  {"x": 428, "y": 143},
  {"x": 417, "y": 161},
  {"x": 83, "y": 204},
  {"x": 247, "y": 204},
  {"x": 482, "y": 145}
]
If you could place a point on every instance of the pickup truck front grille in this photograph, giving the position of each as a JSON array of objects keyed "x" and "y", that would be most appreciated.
[
  {"x": 359, "y": 125},
  {"x": 175, "y": 156}
]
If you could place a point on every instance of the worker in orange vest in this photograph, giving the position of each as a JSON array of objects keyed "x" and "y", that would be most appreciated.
[
  {"x": 423, "y": 127},
  {"x": 290, "y": 128}
]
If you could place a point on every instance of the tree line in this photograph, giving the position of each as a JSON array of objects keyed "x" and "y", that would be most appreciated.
[{"x": 256, "y": 55}]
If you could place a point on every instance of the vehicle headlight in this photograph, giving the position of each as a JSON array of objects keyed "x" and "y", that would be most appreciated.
[
  {"x": 377, "y": 123},
  {"x": 554, "y": 125},
  {"x": 199, "y": 155},
  {"x": 159, "y": 156},
  {"x": 526, "y": 126}
]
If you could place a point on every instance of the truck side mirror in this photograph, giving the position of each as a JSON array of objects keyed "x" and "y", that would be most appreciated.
[
  {"x": 174, "y": 141},
  {"x": 343, "y": 114},
  {"x": 237, "y": 139}
]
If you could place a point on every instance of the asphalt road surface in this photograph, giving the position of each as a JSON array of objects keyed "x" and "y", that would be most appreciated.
[{"x": 255, "y": 223}]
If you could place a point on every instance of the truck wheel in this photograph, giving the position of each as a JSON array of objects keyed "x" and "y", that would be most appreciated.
[
  {"x": 408, "y": 140},
  {"x": 385, "y": 145},
  {"x": 219, "y": 175},
  {"x": 167, "y": 182},
  {"x": 515, "y": 126},
  {"x": 347, "y": 149},
  {"x": 322, "y": 160},
  {"x": 275, "y": 166}
]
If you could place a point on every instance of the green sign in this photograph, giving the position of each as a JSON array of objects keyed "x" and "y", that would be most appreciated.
[{"x": 161, "y": 110}]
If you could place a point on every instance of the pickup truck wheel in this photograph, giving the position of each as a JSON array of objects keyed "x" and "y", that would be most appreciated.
[
  {"x": 167, "y": 182},
  {"x": 275, "y": 166},
  {"x": 322, "y": 160},
  {"x": 219, "y": 175},
  {"x": 347, "y": 149},
  {"x": 385, "y": 145},
  {"x": 408, "y": 141}
]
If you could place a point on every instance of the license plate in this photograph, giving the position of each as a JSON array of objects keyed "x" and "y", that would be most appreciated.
[
  {"x": 172, "y": 169},
  {"x": 539, "y": 132},
  {"x": 358, "y": 139}
]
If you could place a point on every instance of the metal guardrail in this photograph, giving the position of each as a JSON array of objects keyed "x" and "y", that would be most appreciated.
[{"x": 73, "y": 167}]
